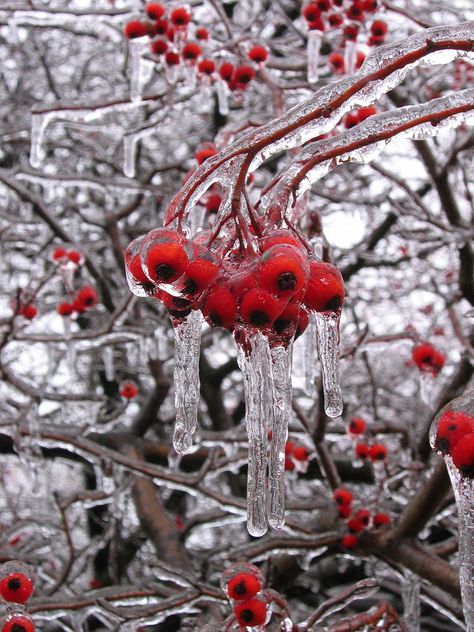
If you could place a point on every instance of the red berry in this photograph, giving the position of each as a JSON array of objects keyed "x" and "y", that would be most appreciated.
[
  {"x": 278, "y": 238},
  {"x": 202, "y": 33},
  {"x": 362, "y": 451},
  {"x": 289, "y": 464},
  {"x": 164, "y": 257},
  {"x": 213, "y": 203},
  {"x": 344, "y": 511},
  {"x": 226, "y": 71},
  {"x": 335, "y": 19},
  {"x": 287, "y": 322},
  {"x": 349, "y": 541},
  {"x": 351, "y": 32},
  {"x": 355, "y": 12},
  {"x": 283, "y": 270},
  {"x": 260, "y": 308},
  {"x": 16, "y": 587},
  {"x": 303, "y": 322},
  {"x": 177, "y": 307},
  {"x": 355, "y": 525},
  {"x": 360, "y": 58},
  {"x": 204, "y": 154},
  {"x": 357, "y": 426},
  {"x": 323, "y": 5},
  {"x": 311, "y": 13},
  {"x": 206, "y": 67},
  {"x": 370, "y": 6},
  {"x": 379, "y": 28},
  {"x": 452, "y": 427},
  {"x": 242, "y": 76},
  {"x": 336, "y": 63},
  {"x": 364, "y": 516},
  {"x": 317, "y": 25},
  {"x": 375, "y": 40},
  {"x": 351, "y": 120},
  {"x": 160, "y": 27},
  {"x": 463, "y": 454},
  {"x": 191, "y": 51},
  {"x": 301, "y": 453},
  {"x": 381, "y": 519},
  {"x": 342, "y": 496},
  {"x": 59, "y": 253},
  {"x": 128, "y": 390},
  {"x": 155, "y": 11},
  {"x": 198, "y": 275},
  {"x": 135, "y": 29},
  {"x": 220, "y": 308},
  {"x": 377, "y": 452},
  {"x": 171, "y": 58},
  {"x": 74, "y": 256},
  {"x": 363, "y": 113},
  {"x": 258, "y": 54},
  {"x": 251, "y": 613},
  {"x": 29, "y": 311},
  {"x": 325, "y": 289},
  {"x": 289, "y": 447},
  {"x": 428, "y": 359},
  {"x": 18, "y": 623},
  {"x": 180, "y": 17},
  {"x": 65, "y": 309},
  {"x": 243, "y": 586},
  {"x": 86, "y": 298},
  {"x": 159, "y": 47}
]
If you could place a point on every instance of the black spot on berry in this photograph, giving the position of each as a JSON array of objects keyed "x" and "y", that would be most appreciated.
[
  {"x": 333, "y": 304},
  {"x": 164, "y": 272},
  {"x": 240, "y": 588},
  {"x": 247, "y": 615},
  {"x": 14, "y": 584},
  {"x": 258, "y": 318},
  {"x": 287, "y": 281}
]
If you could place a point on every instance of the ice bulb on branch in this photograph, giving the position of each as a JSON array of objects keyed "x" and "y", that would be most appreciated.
[{"x": 452, "y": 436}]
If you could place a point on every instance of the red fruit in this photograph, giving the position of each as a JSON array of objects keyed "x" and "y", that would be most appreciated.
[
  {"x": 379, "y": 28},
  {"x": 301, "y": 453},
  {"x": 362, "y": 451},
  {"x": 370, "y": 6},
  {"x": 226, "y": 71},
  {"x": 18, "y": 623},
  {"x": 377, "y": 452},
  {"x": 351, "y": 120},
  {"x": 360, "y": 58},
  {"x": 128, "y": 390},
  {"x": 357, "y": 426},
  {"x": 336, "y": 63},
  {"x": 28, "y": 311},
  {"x": 342, "y": 496},
  {"x": 202, "y": 33},
  {"x": 191, "y": 51},
  {"x": 311, "y": 13},
  {"x": 160, "y": 27},
  {"x": 74, "y": 256},
  {"x": 59, "y": 253},
  {"x": 463, "y": 454},
  {"x": 251, "y": 613},
  {"x": 155, "y": 11},
  {"x": 381, "y": 519},
  {"x": 278, "y": 238},
  {"x": 335, "y": 19},
  {"x": 136, "y": 276},
  {"x": 363, "y": 113},
  {"x": 164, "y": 258},
  {"x": 177, "y": 307},
  {"x": 428, "y": 359},
  {"x": 180, "y": 17},
  {"x": 317, "y": 25},
  {"x": 283, "y": 270},
  {"x": 349, "y": 541},
  {"x": 287, "y": 322},
  {"x": 172, "y": 58},
  {"x": 16, "y": 587},
  {"x": 289, "y": 464},
  {"x": 258, "y": 54},
  {"x": 213, "y": 203},
  {"x": 159, "y": 47},
  {"x": 206, "y": 67},
  {"x": 325, "y": 289},
  {"x": 260, "y": 308},
  {"x": 303, "y": 322},
  {"x": 323, "y": 5},
  {"x": 204, "y": 154},
  {"x": 355, "y": 525},
  {"x": 375, "y": 41},
  {"x": 242, "y": 76},
  {"x": 364, "y": 516},
  {"x": 355, "y": 12},
  {"x": 220, "y": 308},
  {"x": 344, "y": 511},
  {"x": 243, "y": 586},
  {"x": 351, "y": 31},
  {"x": 289, "y": 447},
  {"x": 86, "y": 298},
  {"x": 65, "y": 309},
  {"x": 135, "y": 29},
  {"x": 198, "y": 275},
  {"x": 452, "y": 427}
]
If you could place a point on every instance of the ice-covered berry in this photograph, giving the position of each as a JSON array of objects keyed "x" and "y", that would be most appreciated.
[
  {"x": 325, "y": 288},
  {"x": 128, "y": 390},
  {"x": 357, "y": 426},
  {"x": 342, "y": 496},
  {"x": 18, "y": 623},
  {"x": 377, "y": 452},
  {"x": 16, "y": 586},
  {"x": 381, "y": 519},
  {"x": 251, "y": 613},
  {"x": 463, "y": 454},
  {"x": 154, "y": 10},
  {"x": 135, "y": 29},
  {"x": 243, "y": 586},
  {"x": 349, "y": 541},
  {"x": 452, "y": 427}
]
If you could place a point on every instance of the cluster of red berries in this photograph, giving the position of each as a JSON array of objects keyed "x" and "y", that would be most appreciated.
[
  {"x": 242, "y": 584},
  {"x": 128, "y": 390},
  {"x": 296, "y": 457},
  {"x": 455, "y": 436},
  {"x": 85, "y": 299},
  {"x": 358, "y": 521},
  {"x": 428, "y": 359},
  {"x": 271, "y": 291},
  {"x": 27, "y": 310},
  {"x": 16, "y": 587},
  {"x": 169, "y": 41},
  {"x": 63, "y": 256},
  {"x": 376, "y": 452}
]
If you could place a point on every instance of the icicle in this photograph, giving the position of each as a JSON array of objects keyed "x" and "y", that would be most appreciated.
[
  {"x": 186, "y": 380},
  {"x": 39, "y": 122},
  {"x": 70, "y": 348},
  {"x": 129, "y": 155},
  {"x": 328, "y": 349},
  {"x": 108, "y": 360},
  {"x": 313, "y": 49},
  {"x": 350, "y": 57},
  {"x": 309, "y": 357},
  {"x": 222, "y": 97},
  {"x": 256, "y": 369},
  {"x": 427, "y": 386},
  {"x": 281, "y": 370},
  {"x": 140, "y": 69},
  {"x": 411, "y": 601}
]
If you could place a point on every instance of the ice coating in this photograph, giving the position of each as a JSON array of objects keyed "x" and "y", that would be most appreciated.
[
  {"x": 328, "y": 350},
  {"x": 140, "y": 68},
  {"x": 463, "y": 487},
  {"x": 313, "y": 50},
  {"x": 222, "y": 92},
  {"x": 256, "y": 368},
  {"x": 281, "y": 371},
  {"x": 186, "y": 379},
  {"x": 411, "y": 586},
  {"x": 309, "y": 354},
  {"x": 350, "y": 57}
]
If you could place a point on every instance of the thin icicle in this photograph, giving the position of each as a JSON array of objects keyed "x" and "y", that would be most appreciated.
[
  {"x": 350, "y": 57},
  {"x": 411, "y": 601},
  {"x": 186, "y": 380},
  {"x": 108, "y": 360},
  {"x": 328, "y": 349},
  {"x": 140, "y": 69},
  {"x": 70, "y": 348},
  {"x": 281, "y": 370},
  {"x": 313, "y": 50},
  {"x": 310, "y": 350},
  {"x": 129, "y": 155},
  {"x": 222, "y": 97},
  {"x": 256, "y": 368},
  {"x": 39, "y": 123}
]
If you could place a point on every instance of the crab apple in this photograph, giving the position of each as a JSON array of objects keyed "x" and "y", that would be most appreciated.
[
  {"x": 65, "y": 309},
  {"x": 301, "y": 453},
  {"x": 172, "y": 58},
  {"x": 15, "y": 585},
  {"x": 220, "y": 307},
  {"x": 258, "y": 54},
  {"x": 206, "y": 67},
  {"x": 335, "y": 19},
  {"x": 199, "y": 275},
  {"x": 202, "y": 33},
  {"x": 164, "y": 258},
  {"x": 428, "y": 359},
  {"x": 283, "y": 270},
  {"x": 128, "y": 390},
  {"x": 381, "y": 519},
  {"x": 344, "y": 511},
  {"x": 260, "y": 308},
  {"x": 362, "y": 451},
  {"x": 243, "y": 586},
  {"x": 159, "y": 47},
  {"x": 180, "y": 17},
  {"x": 452, "y": 427},
  {"x": 325, "y": 289},
  {"x": 377, "y": 452},
  {"x": 191, "y": 51},
  {"x": 355, "y": 525},
  {"x": 357, "y": 426},
  {"x": 311, "y": 13},
  {"x": 213, "y": 203},
  {"x": 18, "y": 623},
  {"x": 364, "y": 516},
  {"x": 336, "y": 63},
  {"x": 204, "y": 154},
  {"x": 303, "y": 322},
  {"x": 379, "y": 28},
  {"x": 355, "y": 12},
  {"x": 86, "y": 298},
  {"x": 154, "y": 10},
  {"x": 29, "y": 311},
  {"x": 342, "y": 496},
  {"x": 317, "y": 25},
  {"x": 349, "y": 541},
  {"x": 463, "y": 454},
  {"x": 251, "y": 613},
  {"x": 242, "y": 76},
  {"x": 226, "y": 70},
  {"x": 135, "y": 29}
]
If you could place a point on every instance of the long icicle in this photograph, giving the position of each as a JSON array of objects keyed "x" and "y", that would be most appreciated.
[
  {"x": 281, "y": 369},
  {"x": 186, "y": 380},
  {"x": 328, "y": 349}
]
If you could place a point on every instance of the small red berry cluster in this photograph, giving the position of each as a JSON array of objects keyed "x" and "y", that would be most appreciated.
[
  {"x": 85, "y": 299},
  {"x": 169, "y": 33},
  {"x": 272, "y": 290},
  {"x": 455, "y": 436},
  {"x": 128, "y": 390},
  {"x": 296, "y": 457},
  {"x": 358, "y": 521},
  {"x": 27, "y": 310},
  {"x": 376, "y": 452},
  {"x": 242, "y": 584},
  {"x": 428, "y": 359},
  {"x": 16, "y": 588}
]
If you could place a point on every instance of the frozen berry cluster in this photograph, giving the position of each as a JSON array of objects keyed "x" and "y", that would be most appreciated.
[
  {"x": 16, "y": 588},
  {"x": 356, "y": 521},
  {"x": 68, "y": 261},
  {"x": 375, "y": 452},
  {"x": 296, "y": 457},
  {"x": 272, "y": 290},
  {"x": 242, "y": 583},
  {"x": 428, "y": 359},
  {"x": 455, "y": 437}
]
